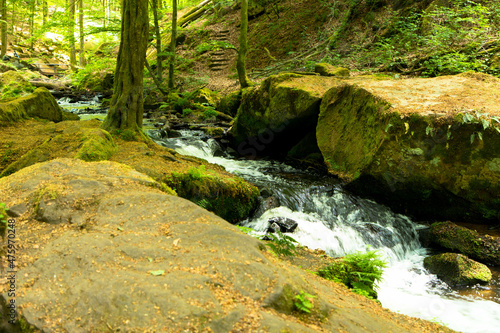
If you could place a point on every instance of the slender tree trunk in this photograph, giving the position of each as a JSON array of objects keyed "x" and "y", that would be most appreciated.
[
  {"x": 3, "y": 30},
  {"x": 242, "y": 52},
  {"x": 83, "y": 62},
  {"x": 159, "y": 56},
  {"x": 71, "y": 32},
  {"x": 172, "y": 45},
  {"x": 45, "y": 11},
  {"x": 126, "y": 110},
  {"x": 32, "y": 22}
]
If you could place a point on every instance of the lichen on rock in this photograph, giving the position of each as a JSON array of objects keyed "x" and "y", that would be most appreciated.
[{"x": 325, "y": 69}]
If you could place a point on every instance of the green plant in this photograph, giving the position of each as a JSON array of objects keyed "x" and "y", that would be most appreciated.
[
  {"x": 186, "y": 112},
  {"x": 358, "y": 271},
  {"x": 304, "y": 302},
  {"x": 209, "y": 113},
  {"x": 282, "y": 245},
  {"x": 3, "y": 219}
]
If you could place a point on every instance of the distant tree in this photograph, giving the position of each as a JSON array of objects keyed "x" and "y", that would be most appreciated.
[
  {"x": 159, "y": 56},
  {"x": 3, "y": 29},
  {"x": 126, "y": 110},
  {"x": 71, "y": 33},
  {"x": 242, "y": 51},
  {"x": 82, "y": 38},
  {"x": 172, "y": 45}
]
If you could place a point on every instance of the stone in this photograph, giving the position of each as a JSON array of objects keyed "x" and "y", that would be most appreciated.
[
  {"x": 457, "y": 269},
  {"x": 284, "y": 224},
  {"x": 325, "y": 69},
  {"x": 448, "y": 235}
]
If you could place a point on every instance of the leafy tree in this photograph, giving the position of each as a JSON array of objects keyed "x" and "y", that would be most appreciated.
[
  {"x": 159, "y": 64},
  {"x": 126, "y": 109}
]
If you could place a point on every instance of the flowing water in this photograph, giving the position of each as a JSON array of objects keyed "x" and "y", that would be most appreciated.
[{"x": 338, "y": 222}]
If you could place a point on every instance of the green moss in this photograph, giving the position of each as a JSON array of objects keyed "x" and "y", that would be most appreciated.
[
  {"x": 468, "y": 242},
  {"x": 98, "y": 145},
  {"x": 230, "y": 103},
  {"x": 231, "y": 198},
  {"x": 44, "y": 193},
  {"x": 326, "y": 69},
  {"x": 13, "y": 84},
  {"x": 351, "y": 127},
  {"x": 457, "y": 269}
]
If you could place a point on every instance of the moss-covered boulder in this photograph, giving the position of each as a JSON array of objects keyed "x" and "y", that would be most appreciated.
[
  {"x": 456, "y": 269},
  {"x": 326, "y": 69},
  {"x": 39, "y": 104},
  {"x": 14, "y": 84},
  {"x": 206, "y": 96},
  {"x": 233, "y": 199},
  {"x": 274, "y": 116},
  {"x": 421, "y": 153},
  {"x": 230, "y": 103},
  {"x": 484, "y": 248},
  {"x": 351, "y": 128}
]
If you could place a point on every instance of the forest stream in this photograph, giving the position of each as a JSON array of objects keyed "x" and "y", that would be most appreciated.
[{"x": 331, "y": 219}]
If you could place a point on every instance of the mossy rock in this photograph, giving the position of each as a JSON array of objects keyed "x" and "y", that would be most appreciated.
[
  {"x": 484, "y": 248},
  {"x": 231, "y": 198},
  {"x": 14, "y": 84},
  {"x": 325, "y": 69},
  {"x": 98, "y": 145},
  {"x": 230, "y": 103},
  {"x": 39, "y": 104},
  {"x": 457, "y": 270},
  {"x": 69, "y": 115},
  {"x": 351, "y": 128},
  {"x": 274, "y": 116},
  {"x": 206, "y": 96}
]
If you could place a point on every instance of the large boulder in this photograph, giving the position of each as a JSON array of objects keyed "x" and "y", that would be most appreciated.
[
  {"x": 39, "y": 104},
  {"x": 274, "y": 116},
  {"x": 484, "y": 248},
  {"x": 14, "y": 84},
  {"x": 457, "y": 270},
  {"x": 413, "y": 145},
  {"x": 124, "y": 256}
]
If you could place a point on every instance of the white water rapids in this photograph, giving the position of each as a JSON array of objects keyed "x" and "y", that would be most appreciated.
[{"x": 339, "y": 223}]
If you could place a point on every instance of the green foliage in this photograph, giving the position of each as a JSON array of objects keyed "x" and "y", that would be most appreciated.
[
  {"x": 358, "y": 271},
  {"x": 213, "y": 45},
  {"x": 92, "y": 76},
  {"x": 303, "y": 302},
  {"x": 209, "y": 113},
  {"x": 186, "y": 112},
  {"x": 282, "y": 245},
  {"x": 3, "y": 219}
]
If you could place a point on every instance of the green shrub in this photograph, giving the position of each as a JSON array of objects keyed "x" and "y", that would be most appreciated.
[
  {"x": 358, "y": 271},
  {"x": 282, "y": 245},
  {"x": 303, "y": 302}
]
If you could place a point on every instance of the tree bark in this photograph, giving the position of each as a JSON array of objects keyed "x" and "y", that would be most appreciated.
[
  {"x": 45, "y": 11},
  {"x": 83, "y": 62},
  {"x": 126, "y": 110},
  {"x": 159, "y": 57},
  {"x": 71, "y": 33},
  {"x": 3, "y": 30},
  {"x": 172, "y": 46},
  {"x": 242, "y": 52}
]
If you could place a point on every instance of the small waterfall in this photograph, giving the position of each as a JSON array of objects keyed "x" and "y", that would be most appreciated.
[{"x": 331, "y": 219}]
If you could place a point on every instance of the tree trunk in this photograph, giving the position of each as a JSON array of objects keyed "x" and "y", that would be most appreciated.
[
  {"x": 126, "y": 110},
  {"x": 83, "y": 63},
  {"x": 172, "y": 45},
  {"x": 242, "y": 52},
  {"x": 32, "y": 23},
  {"x": 3, "y": 30},
  {"x": 45, "y": 11},
  {"x": 71, "y": 32},
  {"x": 159, "y": 57}
]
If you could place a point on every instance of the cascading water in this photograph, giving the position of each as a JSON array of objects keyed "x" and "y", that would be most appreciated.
[{"x": 337, "y": 222}]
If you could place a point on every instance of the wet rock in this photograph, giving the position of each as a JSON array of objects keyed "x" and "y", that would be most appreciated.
[
  {"x": 484, "y": 248},
  {"x": 457, "y": 270},
  {"x": 283, "y": 224}
]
